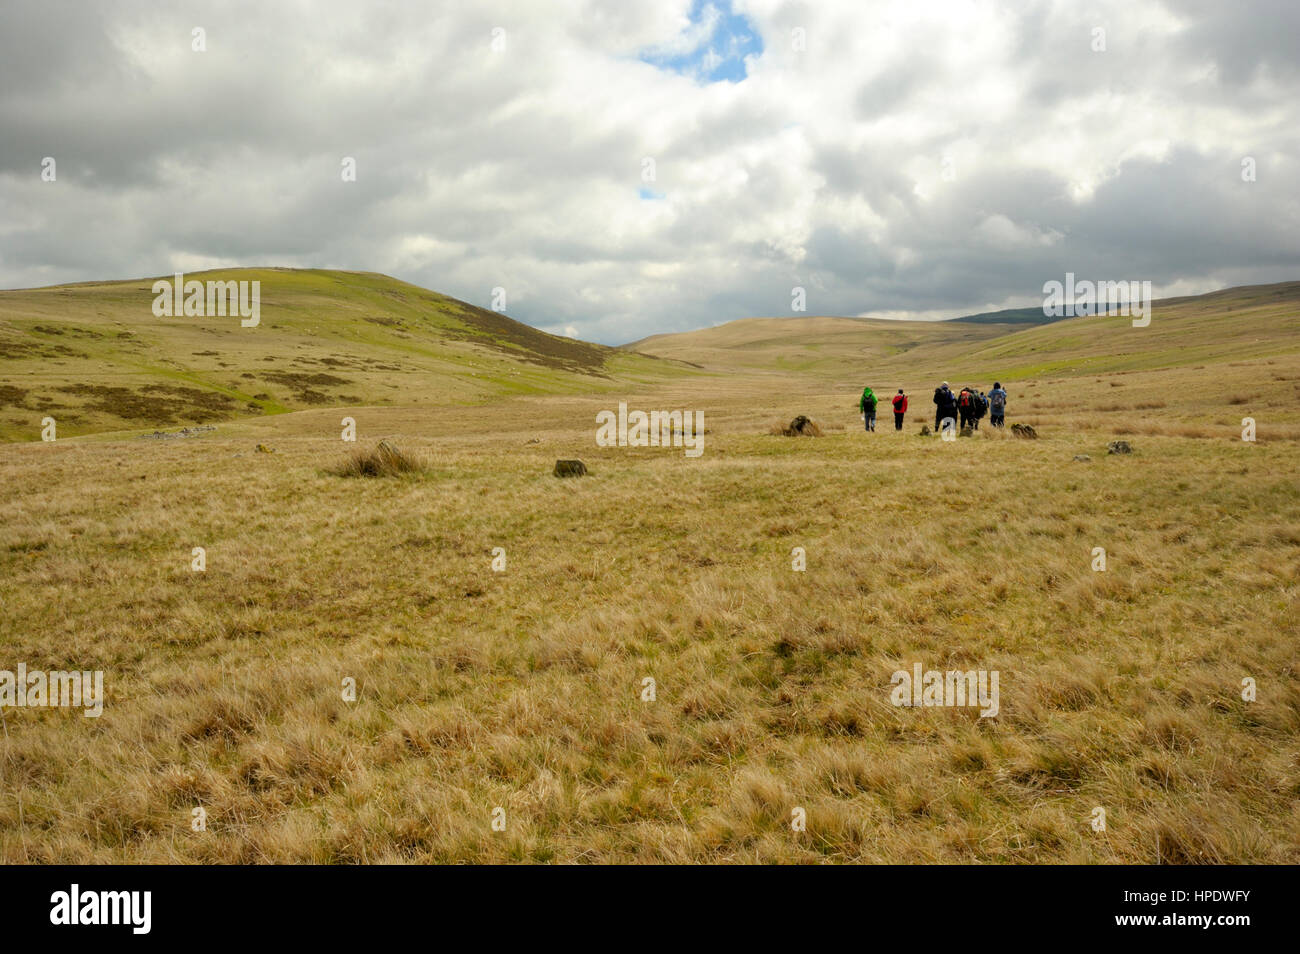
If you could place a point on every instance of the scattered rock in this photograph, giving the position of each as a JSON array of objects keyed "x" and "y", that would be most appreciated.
[
  {"x": 173, "y": 435},
  {"x": 533, "y": 440},
  {"x": 967, "y": 432},
  {"x": 1118, "y": 447},
  {"x": 263, "y": 449},
  {"x": 1083, "y": 457},
  {"x": 925, "y": 430},
  {"x": 570, "y": 468},
  {"x": 1024, "y": 430}
]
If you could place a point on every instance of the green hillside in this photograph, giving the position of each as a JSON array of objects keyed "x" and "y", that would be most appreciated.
[
  {"x": 96, "y": 358},
  {"x": 1234, "y": 324}
]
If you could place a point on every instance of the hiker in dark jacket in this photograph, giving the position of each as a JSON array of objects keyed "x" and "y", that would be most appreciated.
[
  {"x": 966, "y": 399},
  {"x": 945, "y": 406},
  {"x": 867, "y": 405},
  {"x": 900, "y": 408},
  {"x": 997, "y": 405},
  {"x": 981, "y": 408}
]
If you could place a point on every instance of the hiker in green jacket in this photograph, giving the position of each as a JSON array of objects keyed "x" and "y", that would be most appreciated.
[{"x": 868, "y": 408}]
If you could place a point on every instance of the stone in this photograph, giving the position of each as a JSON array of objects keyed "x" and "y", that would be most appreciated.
[{"x": 570, "y": 468}]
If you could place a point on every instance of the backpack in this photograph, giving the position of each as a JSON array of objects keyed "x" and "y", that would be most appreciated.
[
  {"x": 964, "y": 399},
  {"x": 998, "y": 400}
]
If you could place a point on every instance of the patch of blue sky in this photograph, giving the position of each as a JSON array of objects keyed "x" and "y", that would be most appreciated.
[{"x": 712, "y": 47}]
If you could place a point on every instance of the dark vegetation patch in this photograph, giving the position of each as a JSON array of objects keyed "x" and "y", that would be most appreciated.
[
  {"x": 24, "y": 349},
  {"x": 523, "y": 342},
  {"x": 301, "y": 383},
  {"x": 67, "y": 330},
  {"x": 10, "y": 395},
  {"x": 17, "y": 349},
  {"x": 297, "y": 379},
  {"x": 155, "y": 403}
]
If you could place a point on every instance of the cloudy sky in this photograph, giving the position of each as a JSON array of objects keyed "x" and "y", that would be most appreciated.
[{"x": 622, "y": 169}]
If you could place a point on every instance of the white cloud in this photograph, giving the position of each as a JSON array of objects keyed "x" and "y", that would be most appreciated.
[{"x": 522, "y": 168}]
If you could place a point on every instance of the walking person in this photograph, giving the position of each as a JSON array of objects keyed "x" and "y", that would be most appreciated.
[
  {"x": 966, "y": 407},
  {"x": 997, "y": 405},
  {"x": 867, "y": 405},
  {"x": 945, "y": 406},
  {"x": 900, "y": 408}
]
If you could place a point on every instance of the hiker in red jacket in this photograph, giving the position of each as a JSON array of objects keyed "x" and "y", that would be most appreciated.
[{"x": 900, "y": 408}]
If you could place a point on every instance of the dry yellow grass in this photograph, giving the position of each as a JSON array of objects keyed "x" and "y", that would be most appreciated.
[{"x": 522, "y": 689}]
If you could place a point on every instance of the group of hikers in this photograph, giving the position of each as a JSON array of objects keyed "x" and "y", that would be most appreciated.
[{"x": 967, "y": 407}]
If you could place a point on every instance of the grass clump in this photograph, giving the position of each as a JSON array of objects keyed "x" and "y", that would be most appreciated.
[{"x": 386, "y": 460}]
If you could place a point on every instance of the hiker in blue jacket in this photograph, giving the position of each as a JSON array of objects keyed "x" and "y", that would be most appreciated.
[{"x": 997, "y": 405}]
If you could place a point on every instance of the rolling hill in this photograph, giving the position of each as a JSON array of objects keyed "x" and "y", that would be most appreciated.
[
  {"x": 96, "y": 358},
  {"x": 1235, "y": 323},
  {"x": 817, "y": 345}
]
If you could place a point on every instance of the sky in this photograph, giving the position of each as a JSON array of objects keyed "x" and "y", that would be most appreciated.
[{"x": 625, "y": 169}]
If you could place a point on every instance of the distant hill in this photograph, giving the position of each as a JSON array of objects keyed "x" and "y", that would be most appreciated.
[
  {"x": 1009, "y": 316},
  {"x": 95, "y": 357},
  {"x": 805, "y": 344},
  {"x": 1247, "y": 321}
]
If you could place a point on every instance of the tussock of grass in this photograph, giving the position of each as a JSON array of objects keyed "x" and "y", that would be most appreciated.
[
  {"x": 386, "y": 460},
  {"x": 801, "y": 426}
]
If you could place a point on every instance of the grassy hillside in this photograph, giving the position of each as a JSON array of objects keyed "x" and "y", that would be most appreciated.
[
  {"x": 1251, "y": 322},
  {"x": 1199, "y": 367},
  {"x": 521, "y": 689},
  {"x": 1236, "y": 323},
  {"x": 819, "y": 346},
  {"x": 94, "y": 356}
]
